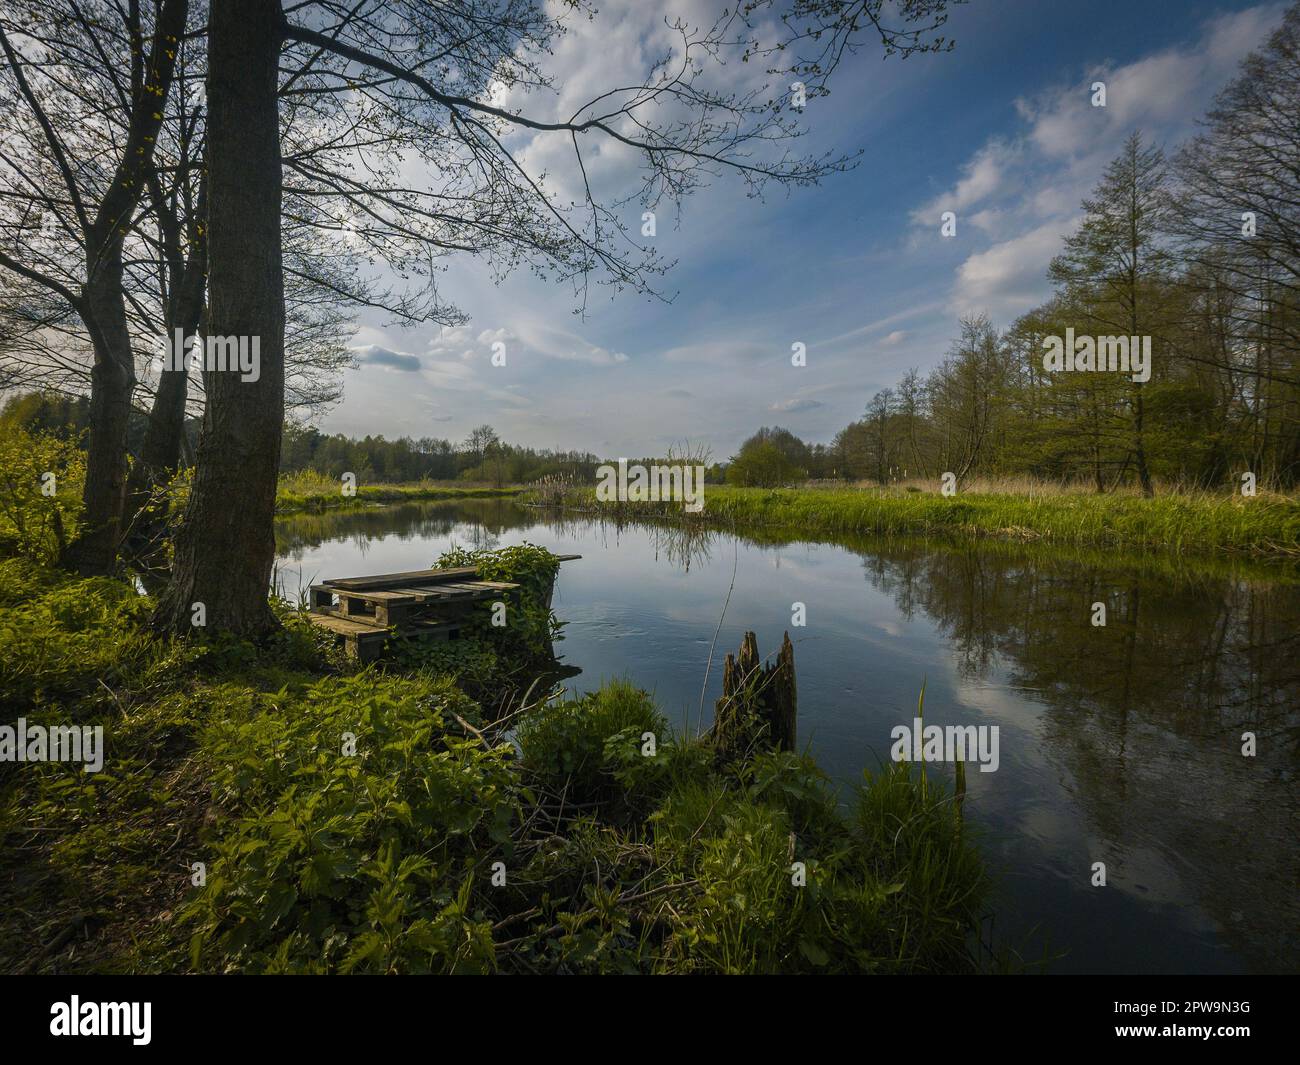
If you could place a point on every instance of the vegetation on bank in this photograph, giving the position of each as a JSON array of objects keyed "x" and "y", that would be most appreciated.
[
  {"x": 309, "y": 490},
  {"x": 1267, "y": 524},
  {"x": 276, "y": 808}
]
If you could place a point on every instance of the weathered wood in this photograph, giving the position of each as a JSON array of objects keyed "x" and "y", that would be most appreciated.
[
  {"x": 345, "y": 627},
  {"x": 363, "y": 642},
  {"x": 379, "y": 596},
  {"x": 425, "y": 604},
  {"x": 759, "y": 704},
  {"x": 408, "y": 579},
  {"x": 366, "y": 642}
]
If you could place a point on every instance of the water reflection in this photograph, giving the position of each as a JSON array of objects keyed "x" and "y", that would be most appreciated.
[{"x": 1122, "y": 743}]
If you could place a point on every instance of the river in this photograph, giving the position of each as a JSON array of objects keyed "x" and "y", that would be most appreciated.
[{"x": 1118, "y": 744}]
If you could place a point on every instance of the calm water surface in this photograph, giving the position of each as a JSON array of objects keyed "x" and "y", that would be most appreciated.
[{"x": 1119, "y": 744}]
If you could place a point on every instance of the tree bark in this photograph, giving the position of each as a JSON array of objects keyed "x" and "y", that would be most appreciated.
[
  {"x": 1139, "y": 444},
  {"x": 112, "y": 379},
  {"x": 225, "y": 547},
  {"x": 112, "y": 376},
  {"x": 160, "y": 453},
  {"x": 759, "y": 704}
]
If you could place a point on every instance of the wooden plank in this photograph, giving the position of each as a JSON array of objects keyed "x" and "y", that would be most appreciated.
[
  {"x": 387, "y": 596},
  {"x": 426, "y": 595},
  {"x": 401, "y": 580},
  {"x": 365, "y": 621},
  {"x": 344, "y": 627},
  {"x": 413, "y": 578},
  {"x": 456, "y": 593}
]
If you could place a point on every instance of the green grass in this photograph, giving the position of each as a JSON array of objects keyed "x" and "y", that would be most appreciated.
[
  {"x": 308, "y": 490},
  {"x": 352, "y": 820},
  {"x": 1265, "y": 525}
]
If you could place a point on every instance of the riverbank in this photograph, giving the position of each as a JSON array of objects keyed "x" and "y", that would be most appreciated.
[
  {"x": 1264, "y": 526},
  {"x": 276, "y": 808},
  {"x": 313, "y": 492}
]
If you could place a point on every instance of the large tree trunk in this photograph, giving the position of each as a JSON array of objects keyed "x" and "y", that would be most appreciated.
[
  {"x": 112, "y": 379},
  {"x": 226, "y": 547}
]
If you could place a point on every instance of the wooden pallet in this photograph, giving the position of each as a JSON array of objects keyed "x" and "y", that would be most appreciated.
[
  {"x": 364, "y": 612},
  {"x": 367, "y": 642}
]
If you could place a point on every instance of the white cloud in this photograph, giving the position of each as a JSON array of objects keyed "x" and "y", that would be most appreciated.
[
  {"x": 1028, "y": 186},
  {"x": 795, "y": 406},
  {"x": 552, "y": 343},
  {"x": 398, "y": 361},
  {"x": 988, "y": 173},
  {"x": 1009, "y": 276}
]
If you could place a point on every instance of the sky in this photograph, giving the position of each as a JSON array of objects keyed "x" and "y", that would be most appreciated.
[{"x": 1001, "y": 131}]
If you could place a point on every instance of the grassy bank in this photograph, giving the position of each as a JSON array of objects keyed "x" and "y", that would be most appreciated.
[
  {"x": 276, "y": 809},
  {"x": 311, "y": 491},
  {"x": 1268, "y": 525}
]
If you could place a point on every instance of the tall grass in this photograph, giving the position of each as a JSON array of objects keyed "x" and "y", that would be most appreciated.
[
  {"x": 311, "y": 490},
  {"x": 1268, "y": 524}
]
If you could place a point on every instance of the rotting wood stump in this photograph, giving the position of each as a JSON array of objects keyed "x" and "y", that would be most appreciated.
[{"x": 759, "y": 704}]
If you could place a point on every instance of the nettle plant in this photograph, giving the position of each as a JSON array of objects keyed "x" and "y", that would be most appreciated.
[
  {"x": 41, "y": 477},
  {"x": 361, "y": 824},
  {"x": 530, "y": 625}
]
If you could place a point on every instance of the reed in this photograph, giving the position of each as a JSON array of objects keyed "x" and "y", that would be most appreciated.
[
  {"x": 1266, "y": 525},
  {"x": 308, "y": 490}
]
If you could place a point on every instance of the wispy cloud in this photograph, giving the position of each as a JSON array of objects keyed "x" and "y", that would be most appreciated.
[
  {"x": 795, "y": 406},
  {"x": 374, "y": 355},
  {"x": 1022, "y": 190}
]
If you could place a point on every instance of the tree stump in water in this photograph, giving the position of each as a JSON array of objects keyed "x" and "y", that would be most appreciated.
[{"x": 758, "y": 704}]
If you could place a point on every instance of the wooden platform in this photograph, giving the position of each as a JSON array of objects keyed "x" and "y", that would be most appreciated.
[{"x": 364, "y": 612}]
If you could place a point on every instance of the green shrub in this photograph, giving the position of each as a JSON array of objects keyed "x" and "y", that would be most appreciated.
[
  {"x": 899, "y": 888},
  {"x": 337, "y": 861},
  {"x": 590, "y": 748},
  {"x": 67, "y": 637},
  {"x": 33, "y": 524}
]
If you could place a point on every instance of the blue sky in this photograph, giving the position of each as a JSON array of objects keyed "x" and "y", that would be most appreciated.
[{"x": 1001, "y": 131}]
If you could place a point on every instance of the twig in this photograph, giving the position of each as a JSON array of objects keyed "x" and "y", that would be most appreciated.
[{"x": 735, "y": 562}]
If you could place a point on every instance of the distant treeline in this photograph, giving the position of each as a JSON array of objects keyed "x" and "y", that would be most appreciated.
[{"x": 483, "y": 456}]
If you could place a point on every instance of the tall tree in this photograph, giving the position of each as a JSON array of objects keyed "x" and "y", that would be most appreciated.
[
  {"x": 961, "y": 395},
  {"x": 60, "y": 191},
  {"x": 431, "y": 75},
  {"x": 225, "y": 546},
  {"x": 1117, "y": 261},
  {"x": 1239, "y": 215}
]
